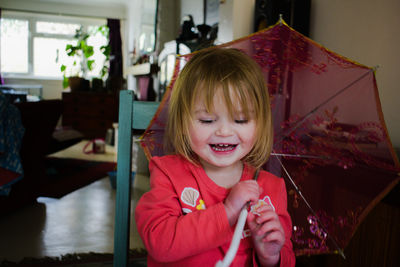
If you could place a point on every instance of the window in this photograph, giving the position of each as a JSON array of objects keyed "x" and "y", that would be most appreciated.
[
  {"x": 14, "y": 45},
  {"x": 34, "y": 44}
]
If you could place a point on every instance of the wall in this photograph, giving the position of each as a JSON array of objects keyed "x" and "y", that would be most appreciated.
[
  {"x": 194, "y": 8},
  {"x": 168, "y": 22},
  {"x": 235, "y": 19},
  {"x": 366, "y": 31}
]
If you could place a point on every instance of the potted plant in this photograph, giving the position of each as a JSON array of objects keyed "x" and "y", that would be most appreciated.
[
  {"x": 82, "y": 53},
  {"x": 98, "y": 82}
]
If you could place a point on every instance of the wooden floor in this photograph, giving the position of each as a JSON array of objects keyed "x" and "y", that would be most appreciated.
[{"x": 82, "y": 221}]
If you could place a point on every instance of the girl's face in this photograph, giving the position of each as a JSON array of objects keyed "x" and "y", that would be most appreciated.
[{"x": 219, "y": 140}]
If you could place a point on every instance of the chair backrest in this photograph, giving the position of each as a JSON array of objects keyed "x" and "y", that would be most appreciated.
[{"x": 133, "y": 116}]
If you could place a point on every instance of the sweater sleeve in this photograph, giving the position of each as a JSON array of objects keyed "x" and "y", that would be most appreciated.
[
  {"x": 287, "y": 254},
  {"x": 167, "y": 233}
]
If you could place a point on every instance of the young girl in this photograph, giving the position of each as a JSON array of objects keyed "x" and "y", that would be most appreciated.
[{"x": 220, "y": 129}]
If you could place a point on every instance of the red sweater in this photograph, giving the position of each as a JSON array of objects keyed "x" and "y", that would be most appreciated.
[{"x": 182, "y": 219}]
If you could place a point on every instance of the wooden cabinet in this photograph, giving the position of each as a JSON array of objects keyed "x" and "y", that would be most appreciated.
[{"x": 90, "y": 113}]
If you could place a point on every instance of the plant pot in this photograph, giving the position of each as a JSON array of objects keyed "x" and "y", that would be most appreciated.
[
  {"x": 97, "y": 85},
  {"x": 78, "y": 84}
]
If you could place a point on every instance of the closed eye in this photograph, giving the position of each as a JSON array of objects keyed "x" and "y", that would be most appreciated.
[
  {"x": 243, "y": 121},
  {"x": 206, "y": 121}
]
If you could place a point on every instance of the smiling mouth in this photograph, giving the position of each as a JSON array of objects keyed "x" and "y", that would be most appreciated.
[{"x": 222, "y": 147}]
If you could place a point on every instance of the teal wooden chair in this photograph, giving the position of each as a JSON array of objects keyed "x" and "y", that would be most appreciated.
[{"x": 134, "y": 116}]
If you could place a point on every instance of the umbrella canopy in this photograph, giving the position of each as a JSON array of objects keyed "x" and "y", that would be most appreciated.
[{"x": 330, "y": 138}]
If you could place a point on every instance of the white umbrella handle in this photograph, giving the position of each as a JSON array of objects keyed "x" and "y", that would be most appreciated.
[{"x": 237, "y": 236}]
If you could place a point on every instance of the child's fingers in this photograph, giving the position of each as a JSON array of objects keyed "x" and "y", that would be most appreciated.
[
  {"x": 277, "y": 237},
  {"x": 250, "y": 187},
  {"x": 264, "y": 208},
  {"x": 241, "y": 193},
  {"x": 269, "y": 227},
  {"x": 266, "y": 213},
  {"x": 251, "y": 220},
  {"x": 256, "y": 222},
  {"x": 267, "y": 221},
  {"x": 263, "y": 214}
]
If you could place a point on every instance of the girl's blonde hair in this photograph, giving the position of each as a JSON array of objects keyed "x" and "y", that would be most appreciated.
[{"x": 206, "y": 72}]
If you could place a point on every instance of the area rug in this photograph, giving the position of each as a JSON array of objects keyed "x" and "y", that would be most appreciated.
[
  {"x": 65, "y": 175},
  {"x": 137, "y": 258}
]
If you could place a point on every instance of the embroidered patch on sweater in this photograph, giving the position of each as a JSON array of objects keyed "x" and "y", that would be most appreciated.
[
  {"x": 189, "y": 196},
  {"x": 261, "y": 202}
]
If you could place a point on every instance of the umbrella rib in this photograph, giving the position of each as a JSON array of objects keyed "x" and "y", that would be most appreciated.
[
  {"x": 309, "y": 207},
  {"x": 297, "y": 125},
  {"x": 299, "y": 156}
]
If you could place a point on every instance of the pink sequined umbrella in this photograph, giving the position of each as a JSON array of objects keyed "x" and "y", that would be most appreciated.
[{"x": 330, "y": 142}]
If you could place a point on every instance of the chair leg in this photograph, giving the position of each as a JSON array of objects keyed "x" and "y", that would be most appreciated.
[{"x": 124, "y": 170}]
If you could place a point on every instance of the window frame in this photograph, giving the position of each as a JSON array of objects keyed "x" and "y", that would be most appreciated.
[{"x": 32, "y": 18}]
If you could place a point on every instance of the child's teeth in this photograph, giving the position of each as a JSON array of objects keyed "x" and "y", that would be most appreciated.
[{"x": 223, "y": 147}]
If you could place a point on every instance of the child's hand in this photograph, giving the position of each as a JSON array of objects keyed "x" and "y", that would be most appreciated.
[
  {"x": 240, "y": 194},
  {"x": 268, "y": 235}
]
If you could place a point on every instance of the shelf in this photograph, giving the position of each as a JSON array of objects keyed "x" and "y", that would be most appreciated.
[{"x": 142, "y": 69}]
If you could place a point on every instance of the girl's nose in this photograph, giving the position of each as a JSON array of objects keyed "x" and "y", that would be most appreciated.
[{"x": 224, "y": 129}]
